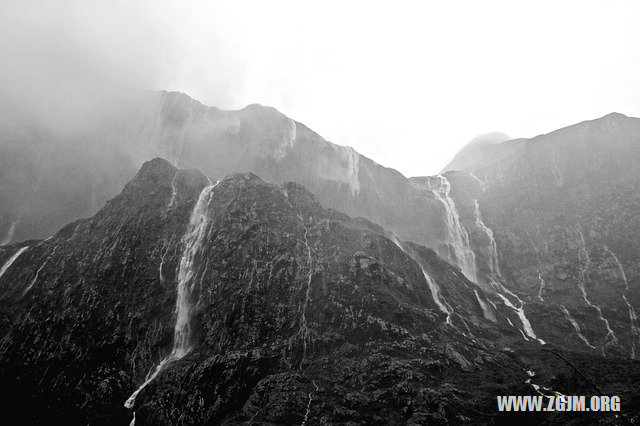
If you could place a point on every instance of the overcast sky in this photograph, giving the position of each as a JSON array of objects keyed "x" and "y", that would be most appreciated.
[{"x": 405, "y": 83}]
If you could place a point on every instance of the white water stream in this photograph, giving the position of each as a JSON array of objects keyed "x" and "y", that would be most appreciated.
[
  {"x": 458, "y": 238},
  {"x": 193, "y": 240}
]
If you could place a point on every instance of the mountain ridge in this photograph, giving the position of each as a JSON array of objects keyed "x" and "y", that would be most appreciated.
[{"x": 115, "y": 322}]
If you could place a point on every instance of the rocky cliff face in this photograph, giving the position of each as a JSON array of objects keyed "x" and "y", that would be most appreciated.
[
  {"x": 241, "y": 301},
  {"x": 562, "y": 208}
]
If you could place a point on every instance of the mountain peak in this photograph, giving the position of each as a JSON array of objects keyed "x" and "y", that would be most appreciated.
[
  {"x": 475, "y": 149},
  {"x": 615, "y": 115},
  {"x": 490, "y": 138},
  {"x": 156, "y": 169}
]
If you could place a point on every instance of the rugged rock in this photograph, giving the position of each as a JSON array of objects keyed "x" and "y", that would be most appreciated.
[{"x": 563, "y": 208}]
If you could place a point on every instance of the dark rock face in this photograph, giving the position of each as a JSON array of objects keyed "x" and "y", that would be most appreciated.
[{"x": 297, "y": 314}]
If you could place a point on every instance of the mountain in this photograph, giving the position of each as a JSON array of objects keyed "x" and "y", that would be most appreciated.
[
  {"x": 48, "y": 180},
  {"x": 562, "y": 209},
  {"x": 48, "y": 183},
  {"x": 553, "y": 214},
  {"x": 480, "y": 149},
  {"x": 242, "y": 301}
]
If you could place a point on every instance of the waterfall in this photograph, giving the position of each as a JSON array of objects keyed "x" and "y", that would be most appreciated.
[
  {"x": 633, "y": 318},
  {"x": 488, "y": 313},
  {"x": 193, "y": 240},
  {"x": 12, "y": 259},
  {"x": 303, "y": 324},
  {"x": 575, "y": 325},
  {"x": 583, "y": 255},
  {"x": 496, "y": 277},
  {"x": 309, "y": 401},
  {"x": 174, "y": 191},
  {"x": 477, "y": 179},
  {"x": 433, "y": 286},
  {"x": 303, "y": 317},
  {"x": 528, "y": 330},
  {"x": 494, "y": 266},
  {"x": 457, "y": 236},
  {"x": 35, "y": 279},
  {"x": 542, "y": 285}
]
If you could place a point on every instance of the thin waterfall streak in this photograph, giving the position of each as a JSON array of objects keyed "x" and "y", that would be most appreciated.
[
  {"x": 528, "y": 330},
  {"x": 633, "y": 319},
  {"x": 494, "y": 266},
  {"x": 433, "y": 286},
  {"x": 310, "y": 400},
  {"x": 542, "y": 286},
  {"x": 174, "y": 191},
  {"x": 575, "y": 325},
  {"x": 162, "y": 257},
  {"x": 26, "y": 290},
  {"x": 486, "y": 311},
  {"x": 476, "y": 178},
  {"x": 304, "y": 330},
  {"x": 583, "y": 255}
]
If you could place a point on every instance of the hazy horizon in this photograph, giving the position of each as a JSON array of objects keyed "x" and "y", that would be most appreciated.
[{"x": 405, "y": 86}]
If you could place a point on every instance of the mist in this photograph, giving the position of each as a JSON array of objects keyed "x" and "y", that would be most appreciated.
[{"x": 419, "y": 79}]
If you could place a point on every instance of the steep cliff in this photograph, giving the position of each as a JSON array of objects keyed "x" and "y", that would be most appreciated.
[{"x": 563, "y": 212}]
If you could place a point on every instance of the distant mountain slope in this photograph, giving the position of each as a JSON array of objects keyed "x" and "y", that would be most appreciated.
[
  {"x": 479, "y": 149},
  {"x": 563, "y": 211}
]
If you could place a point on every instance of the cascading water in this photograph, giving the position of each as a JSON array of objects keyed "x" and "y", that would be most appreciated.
[
  {"x": 542, "y": 286},
  {"x": 486, "y": 311},
  {"x": 477, "y": 179},
  {"x": 174, "y": 191},
  {"x": 303, "y": 323},
  {"x": 12, "y": 259},
  {"x": 496, "y": 278},
  {"x": 528, "y": 330},
  {"x": 35, "y": 279},
  {"x": 433, "y": 286},
  {"x": 304, "y": 330},
  {"x": 575, "y": 325},
  {"x": 457, "y": 236},
  {"x": 633, "y": 318},
  {"x": 583, "y": 256},
  {"x": 193, "y": 240},
  {"x": 494, "y": 266},
  {"x": 303, "y": 317}
]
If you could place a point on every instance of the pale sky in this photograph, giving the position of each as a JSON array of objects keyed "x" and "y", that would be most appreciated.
[{"x": 404, "y": 83}]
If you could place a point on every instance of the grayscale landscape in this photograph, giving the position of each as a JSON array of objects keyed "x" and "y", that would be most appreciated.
[{"x": 167, "y": 260}]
